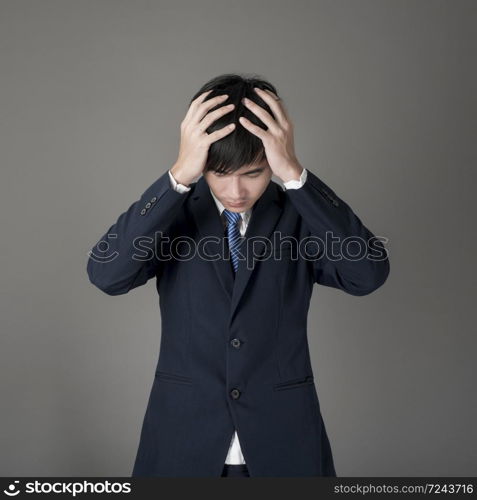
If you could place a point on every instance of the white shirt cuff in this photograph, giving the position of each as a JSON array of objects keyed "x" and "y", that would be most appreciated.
[
  {"x": 293, "y": 184},
  {"x": 180, "y": 188}
]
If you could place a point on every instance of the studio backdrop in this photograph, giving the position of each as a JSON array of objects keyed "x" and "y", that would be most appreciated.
[{"x": 382, "y": 96}]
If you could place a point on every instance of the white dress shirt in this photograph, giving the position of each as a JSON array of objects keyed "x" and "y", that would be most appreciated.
[{"x": 234, "y": 455}]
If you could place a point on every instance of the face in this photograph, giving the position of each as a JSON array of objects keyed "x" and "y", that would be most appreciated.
[{"x": 239, "y": 190}]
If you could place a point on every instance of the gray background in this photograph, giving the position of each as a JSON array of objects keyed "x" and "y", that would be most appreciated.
[{"x": 382, "y": 94}]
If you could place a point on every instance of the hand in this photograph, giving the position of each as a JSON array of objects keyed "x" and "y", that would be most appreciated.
[
  {"x": 195, "y": 141},
  {"x": 278, "y": 139}
]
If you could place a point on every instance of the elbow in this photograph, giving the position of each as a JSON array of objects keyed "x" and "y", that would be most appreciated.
[
  {"x": 375, "y": 279},
  {"x": 110, "y": 290},
  {"x": 93, "y": 270}
]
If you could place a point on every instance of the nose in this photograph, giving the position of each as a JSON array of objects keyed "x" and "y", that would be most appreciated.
[{"x": 236, "y": 190}]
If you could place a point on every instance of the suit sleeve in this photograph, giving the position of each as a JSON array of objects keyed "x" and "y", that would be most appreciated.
[
  {"x": 357, "y": 262},
  {"x": 125, "y": 257}
]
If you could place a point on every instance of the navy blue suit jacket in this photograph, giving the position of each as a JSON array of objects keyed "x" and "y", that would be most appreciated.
[{"x": 234, "y": 351}]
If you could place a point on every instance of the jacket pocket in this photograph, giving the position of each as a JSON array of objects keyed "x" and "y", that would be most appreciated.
[
  {"x": 173, "y": 378},
  {"x": 294, "y": 383}
]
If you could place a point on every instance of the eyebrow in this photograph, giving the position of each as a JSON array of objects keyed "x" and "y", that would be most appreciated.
[{"x": 258, "y": 169}]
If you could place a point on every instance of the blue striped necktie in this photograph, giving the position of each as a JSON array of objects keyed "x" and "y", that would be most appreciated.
[{"x": 233, "y": 234}]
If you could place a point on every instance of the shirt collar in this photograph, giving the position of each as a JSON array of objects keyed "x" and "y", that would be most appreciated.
[{"x": 245, "y": 215}]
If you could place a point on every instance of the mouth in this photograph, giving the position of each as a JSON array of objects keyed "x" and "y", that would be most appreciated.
[{"x": 237, "y": 204}]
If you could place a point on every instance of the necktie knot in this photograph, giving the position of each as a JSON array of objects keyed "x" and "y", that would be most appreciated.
[{"x": 232, "y": 217}]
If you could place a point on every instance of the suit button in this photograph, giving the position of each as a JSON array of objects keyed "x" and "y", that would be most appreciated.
[
  {"x": 236, "y": 343},
  {"x": 143, "y": 211},
  {"x": 335, "y": 203},
  {"x": 153, "y": 199},
  {"x": 148, "y": 204},
  {"x": 235, "y": 393}
]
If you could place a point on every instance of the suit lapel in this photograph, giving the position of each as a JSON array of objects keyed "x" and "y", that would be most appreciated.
[
  {"x": 209, "y": 223},
  {"x": 265, "y": 215}
]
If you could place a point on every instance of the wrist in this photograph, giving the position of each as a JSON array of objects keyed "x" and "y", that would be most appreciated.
[
  {"x": 292, "y": 173},
  {"x": 179, "y": 175}
]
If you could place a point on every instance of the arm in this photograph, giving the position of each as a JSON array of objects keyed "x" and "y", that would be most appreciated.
[
  {"x": 322, "y": 210},
  {"x": 118, "y": 269},
  {"x": 115, "y": 271}
]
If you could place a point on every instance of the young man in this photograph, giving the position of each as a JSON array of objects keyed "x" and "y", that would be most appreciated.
[{"x": 235, "y": 257}]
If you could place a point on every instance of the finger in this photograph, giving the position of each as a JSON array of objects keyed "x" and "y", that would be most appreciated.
[
  {"x": 218, "y": 134},
  {"x": 213, "y": 116},
  {"x": 204, "y": 107},
  {"x": 268, "y": 91},
  {"x": 266, "y": 118},
  {"x": 254, "y": 129},
  {"x": 196, "y": 102},
  {"x": 202, "y": 96},
  {"x": 277, "y": 106}
]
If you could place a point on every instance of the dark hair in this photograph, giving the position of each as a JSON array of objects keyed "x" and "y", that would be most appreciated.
[{"x": 240, "y": 147}]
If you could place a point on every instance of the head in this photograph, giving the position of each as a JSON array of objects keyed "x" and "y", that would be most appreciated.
[
  {"x": 237, "y": 170},
  {"x": 239, "y": 190}
]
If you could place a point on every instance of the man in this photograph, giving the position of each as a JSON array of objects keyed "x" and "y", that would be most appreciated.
[{"x": 235, "y": 257}]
